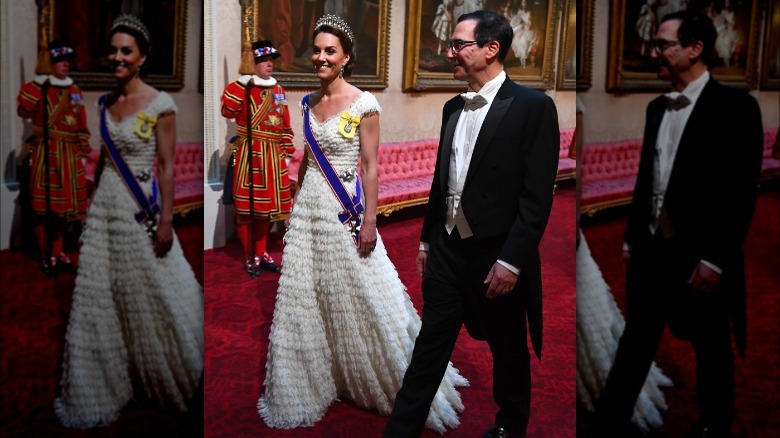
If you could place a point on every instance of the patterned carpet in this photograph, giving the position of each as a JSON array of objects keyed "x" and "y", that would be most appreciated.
[
  {"x": 33, "y": 317},
  {"x": 239, "y": 312},
  {"x": 758, "y": 375}
]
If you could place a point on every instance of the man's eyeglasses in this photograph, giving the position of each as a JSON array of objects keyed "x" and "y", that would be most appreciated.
[
  {"x": 458, "y": 45},
  {"x": 662, "y": 44}
]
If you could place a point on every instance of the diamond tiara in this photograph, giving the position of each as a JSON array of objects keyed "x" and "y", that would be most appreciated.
[
  {"x": 335, "y": 22},
  {"x": 132, "y": 22}
]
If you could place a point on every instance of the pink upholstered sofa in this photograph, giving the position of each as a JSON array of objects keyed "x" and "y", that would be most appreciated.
[
  {"x": 608, "y": 173},
  {"x": 405, "y": 173},
  {"x": 406, "y": 170},
  {"x": 188, "y": 175},
  {"x": 567, "y": 167},
  {"x": 187, "y": 171},
  {"x": 770, "y": 166}
]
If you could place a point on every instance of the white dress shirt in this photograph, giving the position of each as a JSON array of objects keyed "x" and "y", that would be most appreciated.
[
  {"x": 669, "y": 134},
  {"x": 466, "y": 133}
]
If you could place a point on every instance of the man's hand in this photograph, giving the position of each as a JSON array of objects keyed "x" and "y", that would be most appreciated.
[
  {"x": 501, "y": 281},
  {"x": 422, "y": 262},
  {"x": 704, "y": 279}
]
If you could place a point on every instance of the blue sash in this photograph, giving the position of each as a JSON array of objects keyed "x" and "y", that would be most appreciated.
[
  {"x": 352, "y": 206},
  {"x": 149, "y": 209}
]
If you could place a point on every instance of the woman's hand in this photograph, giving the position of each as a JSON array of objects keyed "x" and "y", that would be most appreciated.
[
  {"x": 367, "y": 237},
  {"x": 163, "y": 240}
]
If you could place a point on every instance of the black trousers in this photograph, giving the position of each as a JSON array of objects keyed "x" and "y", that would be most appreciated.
[
  {"x": 454, "y": 294},
  {"x": 658, "y": 294}
]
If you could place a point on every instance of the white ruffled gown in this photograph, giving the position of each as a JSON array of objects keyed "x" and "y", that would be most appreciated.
[
  {"x": 134, "y": 317},
  {"x": 343, "y": 326},
  {"x": 599, "y": 327}
]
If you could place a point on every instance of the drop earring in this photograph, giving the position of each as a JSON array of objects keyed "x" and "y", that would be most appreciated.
[{"x": 341, "y": 73}]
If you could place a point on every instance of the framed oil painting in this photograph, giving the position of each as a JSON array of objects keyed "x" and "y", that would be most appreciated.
[
  {"x": 429, "y": 25},
  {"x": 770, "y": 71},
  {"x": 633, "y": 24},
  {"x": 86, "y": 26},
  {"x": 584, "y": 43},
  {"x": 567, "y": 53},
  {"x": 289, "y": 25}
]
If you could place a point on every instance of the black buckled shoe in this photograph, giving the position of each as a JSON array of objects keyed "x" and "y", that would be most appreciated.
[
  {"x": 268, "y": 264},
  {"x": 49, "y": 266},
  {"x": 253, "y": 267},
  {"x": 64, "y": 264},
  {"x": 501, "y": 432}
]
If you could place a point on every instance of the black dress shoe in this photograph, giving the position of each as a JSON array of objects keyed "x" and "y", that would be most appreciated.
[
  {"x": 49, "y": 266},
  {"x": 64, "y": 264},
  {"x": 253, "y": 267},
  {"x": 501, "y": 432},
  {"x": 269, "y": 265}
]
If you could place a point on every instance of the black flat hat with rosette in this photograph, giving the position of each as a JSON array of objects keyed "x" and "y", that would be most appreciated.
[
  {"x": 263, "y": 48},
  {"x": 60, "y": 50}
]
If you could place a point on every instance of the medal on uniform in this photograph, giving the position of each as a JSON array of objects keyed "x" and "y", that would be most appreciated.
[{"x": 280, "y": 98}]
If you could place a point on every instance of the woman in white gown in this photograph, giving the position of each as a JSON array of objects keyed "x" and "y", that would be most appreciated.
[
  {"x": 599, "y": 327},
  {"x": 137, "y": 313},
  {"x": 524, "y": 37},
  {"x": 728, "y": 35},
  {"x": 343, "y": 324}
]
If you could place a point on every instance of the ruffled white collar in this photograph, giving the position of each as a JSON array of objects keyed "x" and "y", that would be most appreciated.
[
  {"x": 57, "y": 82},
  {"x": 257, "y": 80}
]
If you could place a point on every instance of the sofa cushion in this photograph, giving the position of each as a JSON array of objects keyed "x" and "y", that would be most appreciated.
[
  {"x": 770, "y": 165},
  {"x": 567, "y": 167},
  {"x": 608, "y": 173},
  {"x": 187, "y": 174}
]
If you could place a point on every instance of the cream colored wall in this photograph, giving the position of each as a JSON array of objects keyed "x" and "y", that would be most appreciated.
[
  {"x": 19, "y": 52},
  {"x": 405, "y": 116},
  {"x": 611, "y": 116}
]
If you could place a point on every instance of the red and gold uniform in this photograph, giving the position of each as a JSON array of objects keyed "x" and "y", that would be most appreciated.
[
  {"x": 68, "y": 143},
  {"x": 271, "y": 145},
  {"x": 261, "y": 183}
]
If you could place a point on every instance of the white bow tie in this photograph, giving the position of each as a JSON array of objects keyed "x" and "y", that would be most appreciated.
[{"x": 473, "y": 100}]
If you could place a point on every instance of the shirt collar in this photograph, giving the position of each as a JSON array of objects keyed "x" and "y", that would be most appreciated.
[
  {"x": 694, "y": 89},
  {"x": 490, "y": 89}
]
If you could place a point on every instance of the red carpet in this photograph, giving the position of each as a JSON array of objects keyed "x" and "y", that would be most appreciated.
[
  {"x": 758, "y": 376},
  {"x": 239, "y": 311},
  {"x": 33, "y": 317}
]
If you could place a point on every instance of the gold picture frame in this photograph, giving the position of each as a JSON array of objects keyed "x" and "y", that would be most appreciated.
[
  {"x": 584, "y": 44},
  {"x": 567, "y": 53},
  {"x": 629, "y": 70},
  {"x": 86, "y": 27},
  {"x": 770, "y": 65},
  {"x": 290, "y": 29},
  {"x": 425, "y": 70}
]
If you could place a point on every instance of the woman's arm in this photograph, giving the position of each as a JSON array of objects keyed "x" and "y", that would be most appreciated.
[
  {"x": 369, "y": 146},
  {"x": 166, "y": 142}
]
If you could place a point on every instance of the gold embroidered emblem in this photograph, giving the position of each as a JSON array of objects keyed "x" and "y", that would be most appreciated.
[
  {"x": 273, "y": 120},
  {"x": 69, "y": 120},
  {"x": 144, "y": 125},
  {"x": 348, "y": 125}
]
